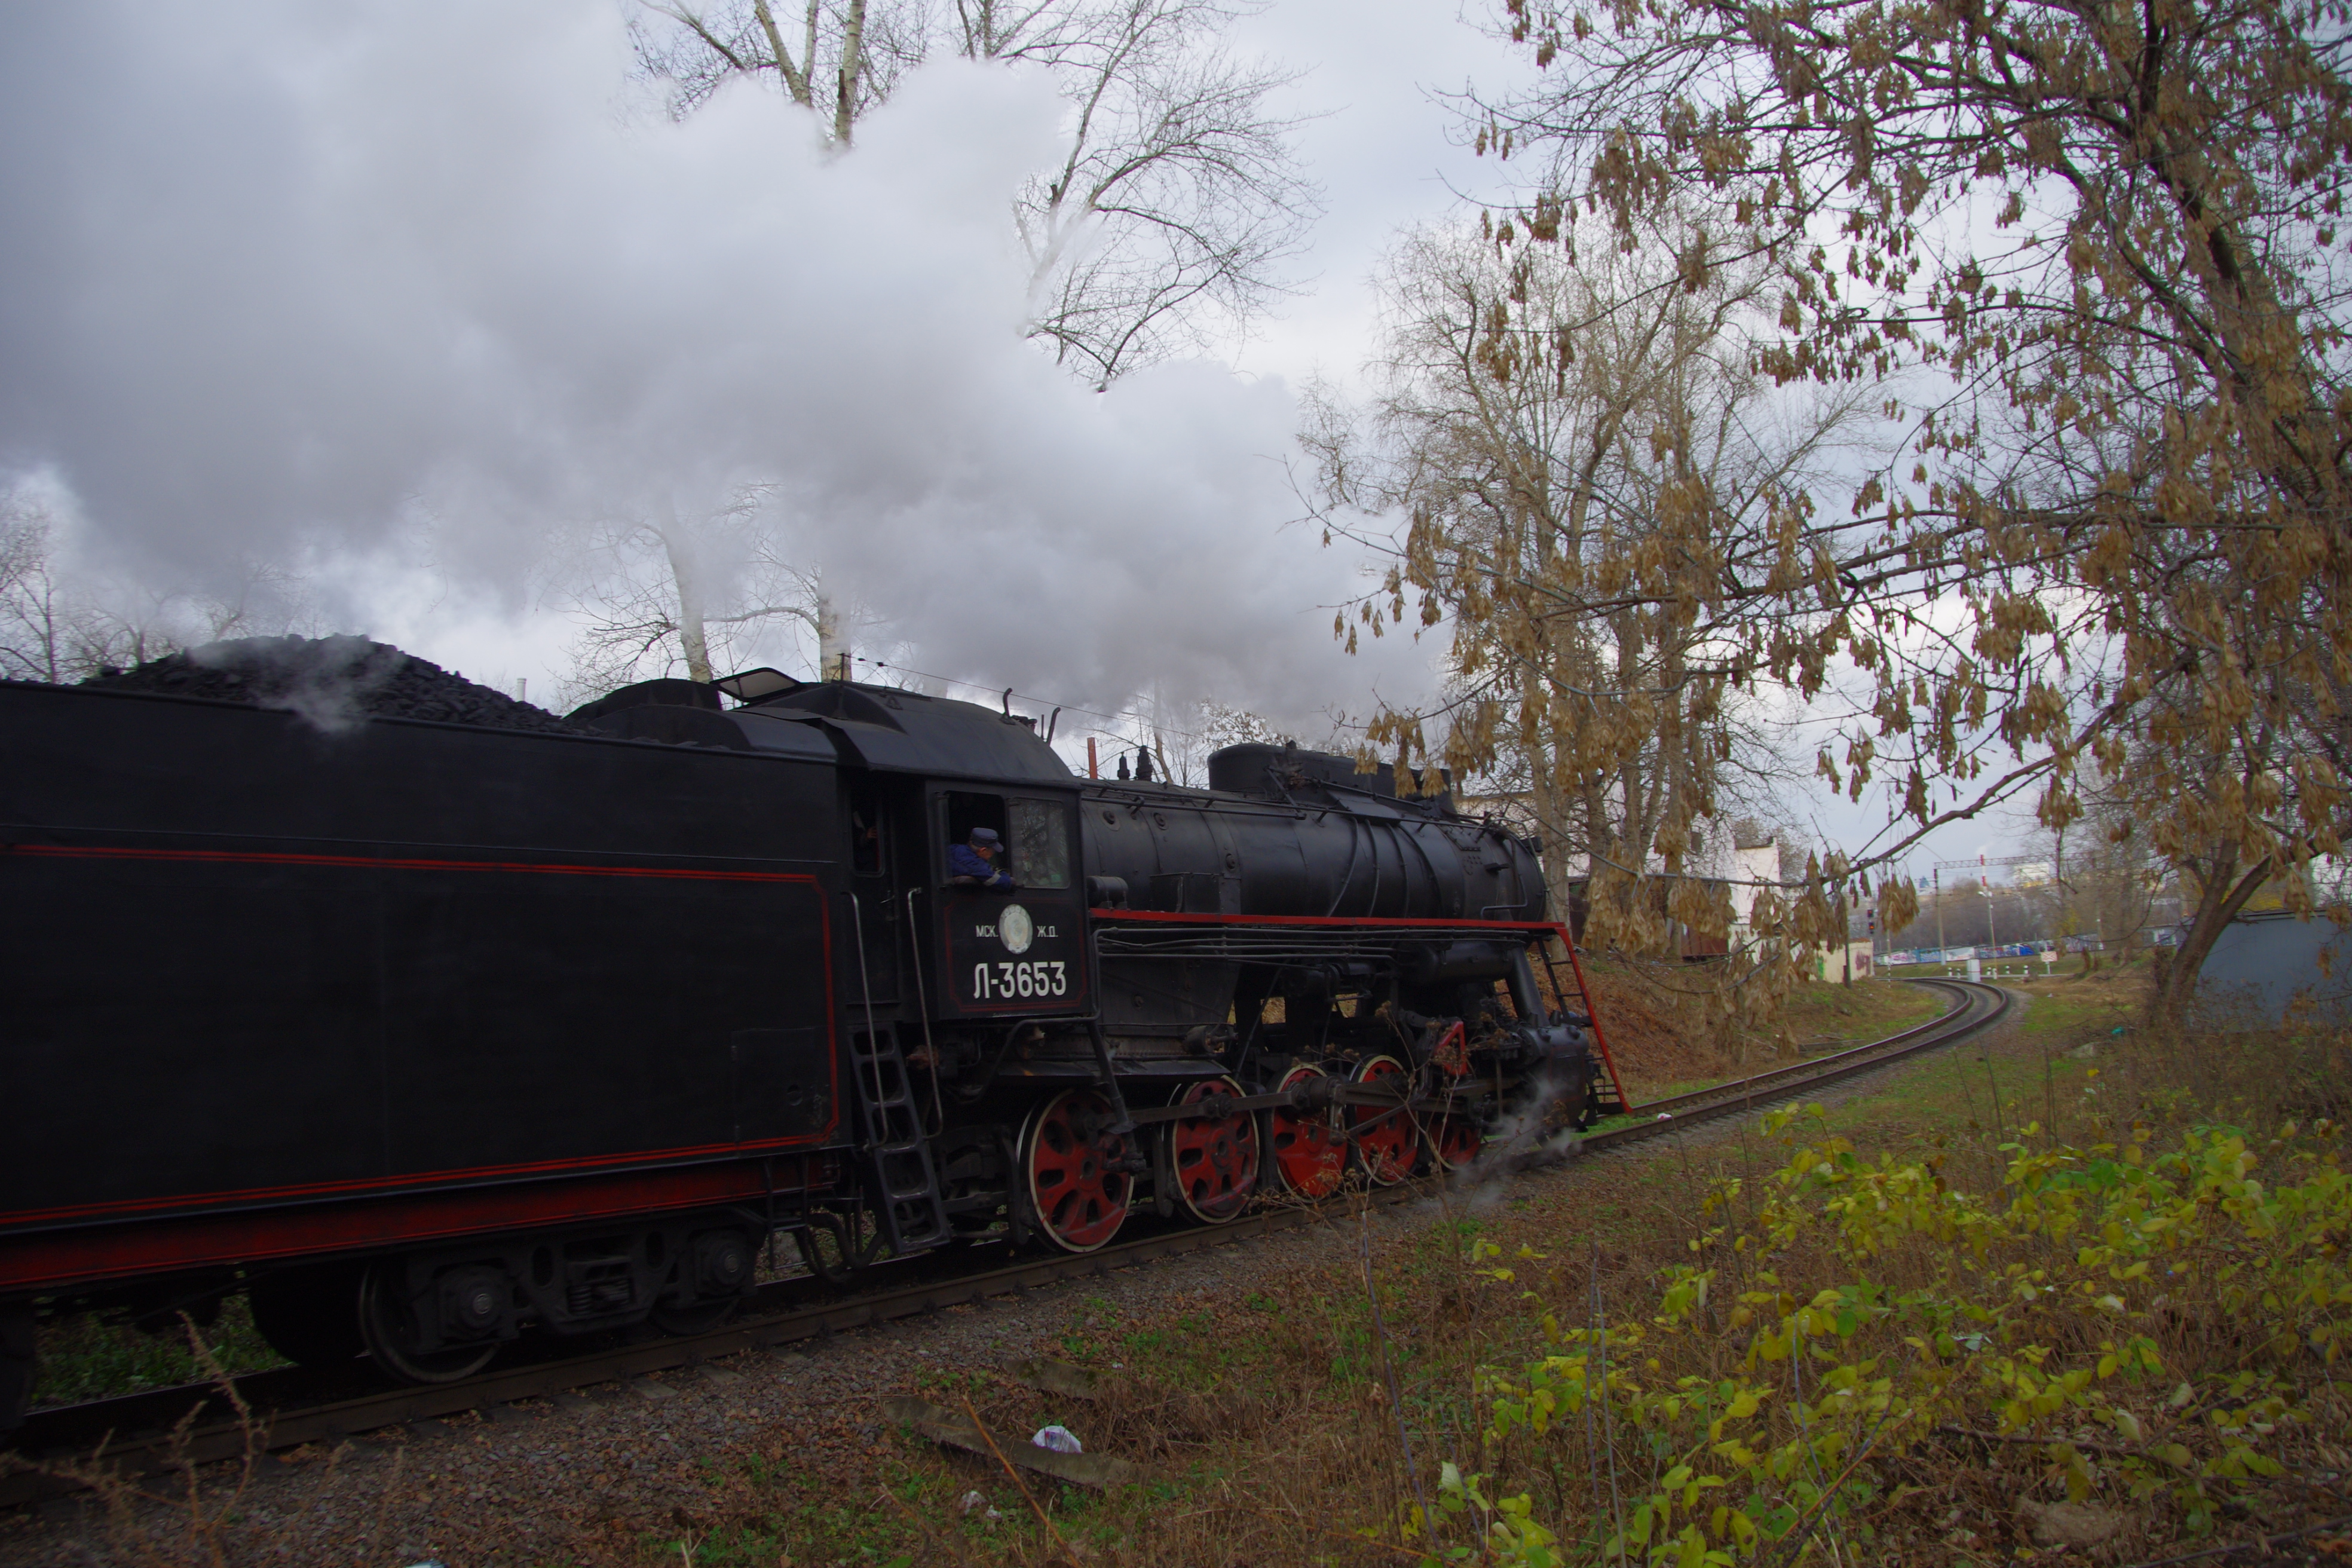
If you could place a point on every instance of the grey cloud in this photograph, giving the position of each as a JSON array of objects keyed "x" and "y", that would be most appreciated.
[{"x": 281, "y": 280}]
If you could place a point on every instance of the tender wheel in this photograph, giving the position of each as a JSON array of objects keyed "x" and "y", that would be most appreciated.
[
  {"x": 1453, "y": 1142},
  {"x": 388, "y": 1323},
  {"x": 1071, "y": 1163},
  {"x": 719, "y": 1268},
  {"x": 310, "y": 1316},
  {"x": 1384, "y": 1140},
  {"x": 18, "y": 1362},
  {"x": 1214, "y": 1160},
  {"x": 1309, "y": 1156}
]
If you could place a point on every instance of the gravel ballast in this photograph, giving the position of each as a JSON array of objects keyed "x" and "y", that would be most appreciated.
[{"x": 591, "y": 1477}]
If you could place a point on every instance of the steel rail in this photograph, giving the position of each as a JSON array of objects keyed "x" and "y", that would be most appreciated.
[{"x": 133, "y": 1434}]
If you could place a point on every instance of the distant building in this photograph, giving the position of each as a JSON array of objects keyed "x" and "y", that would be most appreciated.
[
  {"x": 1854, "y": 963},
  {"x": 1754, "y": 868},
  {"x": 1751, "y": 864}
]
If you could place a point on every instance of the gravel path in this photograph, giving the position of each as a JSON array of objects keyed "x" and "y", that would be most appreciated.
[
  {"x": 586, "y": 1475},
  {"x": 590, "y": 1476}
]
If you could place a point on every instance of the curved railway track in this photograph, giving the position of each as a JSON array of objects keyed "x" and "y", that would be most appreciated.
[{"x": 291, "y": 1405}]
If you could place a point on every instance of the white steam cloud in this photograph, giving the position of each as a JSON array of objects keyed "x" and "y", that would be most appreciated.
[{"x": 283, "y": 281}]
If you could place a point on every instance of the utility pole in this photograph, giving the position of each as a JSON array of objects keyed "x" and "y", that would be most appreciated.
[{"x": 1941, "y": 956}]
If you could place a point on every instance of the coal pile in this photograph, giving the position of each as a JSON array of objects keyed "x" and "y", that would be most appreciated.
[{"x": 335, "y": 682}]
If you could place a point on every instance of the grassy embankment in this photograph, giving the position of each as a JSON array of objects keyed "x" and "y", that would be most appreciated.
[
  {"x": 1656, "y": 1059},
  {"x": 2068, "y": 1295}
]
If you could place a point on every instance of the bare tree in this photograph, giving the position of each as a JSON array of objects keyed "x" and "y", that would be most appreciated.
[
  {"x": 59, "y": 624},
  {"x": 693, "y": 593},
  {"x": 2106, "y": 869},
  {"x": 1178, "y": 196},
  {"x": 39, "y": 636}
]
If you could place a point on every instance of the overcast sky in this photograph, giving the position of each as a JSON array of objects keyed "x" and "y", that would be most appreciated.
[
  {"x": 1383, "y": 148},
  {"x": 398, "y": 292}
]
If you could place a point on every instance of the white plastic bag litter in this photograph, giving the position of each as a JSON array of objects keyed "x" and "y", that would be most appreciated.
[{"x": 1060, "y": 1439}]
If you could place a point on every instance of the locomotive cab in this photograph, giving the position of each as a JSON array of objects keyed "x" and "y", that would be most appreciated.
[{"x": 1017, "y": 951}]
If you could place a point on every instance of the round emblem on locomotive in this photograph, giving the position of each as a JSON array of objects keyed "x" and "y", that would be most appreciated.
[{"x": 1015, "y": 928}]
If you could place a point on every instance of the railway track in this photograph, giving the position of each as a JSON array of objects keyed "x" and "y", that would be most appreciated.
[
  {"x": 142, "y": 1433},
  {"x": 1975, "y": 1006}
]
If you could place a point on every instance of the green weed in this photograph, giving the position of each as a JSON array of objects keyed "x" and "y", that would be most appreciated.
[
  {"x": 85, "y": 1357},
  {"x": 2154, "y": 1326}
]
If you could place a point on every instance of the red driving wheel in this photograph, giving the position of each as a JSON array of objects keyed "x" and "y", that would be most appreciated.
[
  {"x": 1454, "y": 1141},
  {"x": 1075, "y": 1186},
  {"x": 1307, "y": 1155},
  {"x": 1213, "y": 1158},
  {"x": 1385, "y": 1140}
]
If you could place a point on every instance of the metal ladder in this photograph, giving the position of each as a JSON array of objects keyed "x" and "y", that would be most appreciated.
[
  {"x": 1607, "y": 1101},
  {"x": 905, "y": 1189}
]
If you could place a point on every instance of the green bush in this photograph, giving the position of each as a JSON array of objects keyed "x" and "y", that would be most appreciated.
[{"x": 2158, "y": 1326}]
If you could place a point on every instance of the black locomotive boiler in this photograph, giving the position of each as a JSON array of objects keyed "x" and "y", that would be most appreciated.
[{"x": 425, "y": 1032}]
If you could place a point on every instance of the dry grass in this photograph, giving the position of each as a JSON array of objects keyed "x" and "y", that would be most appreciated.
[
  {"x": 1278, "y": 1428},
  {"x": 1644, "y": 1015},
  {"x": 179, "y": 1515}
]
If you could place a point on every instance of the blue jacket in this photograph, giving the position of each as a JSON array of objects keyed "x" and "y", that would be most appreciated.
[{"x": 963, "y": 860}]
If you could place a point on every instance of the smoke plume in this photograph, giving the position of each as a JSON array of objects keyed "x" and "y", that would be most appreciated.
[{"x": 378, "y": 283}]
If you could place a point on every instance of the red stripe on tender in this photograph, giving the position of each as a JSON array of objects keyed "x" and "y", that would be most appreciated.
[
  {"x": 426, "y": 1180},
  {"x": 380, "y": 863},
  {"x": 92, "y": 1257},
  {"x": 1154, "y": 917}
]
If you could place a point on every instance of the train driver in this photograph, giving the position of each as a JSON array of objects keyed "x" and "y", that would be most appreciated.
[{"x": 972, "y": 864}]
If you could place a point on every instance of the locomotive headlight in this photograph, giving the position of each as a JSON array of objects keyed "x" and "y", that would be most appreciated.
[{"x": 1015, "y": 928}]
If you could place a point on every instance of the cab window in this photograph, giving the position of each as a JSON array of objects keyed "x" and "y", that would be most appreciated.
[
  {"x": 1039, "y": 842},
  {"x": 966, "y": 810},
  {"x": 867, "y": 831}
]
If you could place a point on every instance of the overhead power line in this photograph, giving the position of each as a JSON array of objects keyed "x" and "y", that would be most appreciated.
[{"x": 1033, "y": 699}]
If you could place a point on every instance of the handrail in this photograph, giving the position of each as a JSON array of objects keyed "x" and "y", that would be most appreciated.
[
  {"x": 866, "y": 993},
  {"x": 923, "y": 1010}
]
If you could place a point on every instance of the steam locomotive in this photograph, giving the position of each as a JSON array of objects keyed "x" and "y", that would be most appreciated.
[{"x": 425, "y": 1034}]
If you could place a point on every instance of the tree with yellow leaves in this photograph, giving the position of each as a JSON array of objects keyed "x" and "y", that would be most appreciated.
[
  {"x": 2089, "y": 253},
  {"x": 1573, "y": 449}
]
